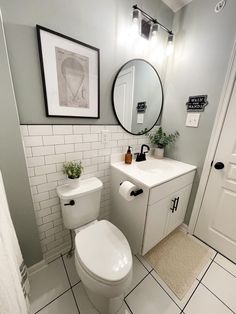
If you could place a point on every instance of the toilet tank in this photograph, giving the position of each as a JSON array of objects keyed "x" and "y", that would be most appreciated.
[{"x": 80, "y": 205}]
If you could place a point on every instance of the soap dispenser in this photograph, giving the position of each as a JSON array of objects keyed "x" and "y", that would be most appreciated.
[{"x": 128, "y": 156}]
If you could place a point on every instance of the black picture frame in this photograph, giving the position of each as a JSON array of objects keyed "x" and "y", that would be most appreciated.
[{"x": 39, "y": 30}]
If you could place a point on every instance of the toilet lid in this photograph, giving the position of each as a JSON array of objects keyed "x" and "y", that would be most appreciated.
[{"x": 104, "y": 251}]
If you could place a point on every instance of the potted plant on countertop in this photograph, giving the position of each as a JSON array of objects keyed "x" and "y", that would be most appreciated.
[
  {"x": 73, "y": 171},
  {"x": 161, "y": 140}
]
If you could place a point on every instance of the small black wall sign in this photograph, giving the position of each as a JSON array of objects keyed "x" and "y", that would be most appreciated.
[
  {"x": 197, "y": 103},
  {"x": 141, "y": 107}
]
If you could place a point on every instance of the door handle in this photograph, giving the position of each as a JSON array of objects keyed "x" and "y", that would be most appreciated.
[{"x": 219, "y": 165}]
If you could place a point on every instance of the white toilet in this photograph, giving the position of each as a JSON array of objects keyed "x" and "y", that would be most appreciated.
[{"x": 103, "y": 257}]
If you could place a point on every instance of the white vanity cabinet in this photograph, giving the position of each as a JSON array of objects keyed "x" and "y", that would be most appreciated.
[
  {"x": 164, "y": 216},
  {"x": 160, "y": 209}
]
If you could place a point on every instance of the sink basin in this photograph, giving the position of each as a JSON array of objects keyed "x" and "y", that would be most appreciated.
[
  {"x": 153, "y": 172},
  {"x": 154, "y": 166}
]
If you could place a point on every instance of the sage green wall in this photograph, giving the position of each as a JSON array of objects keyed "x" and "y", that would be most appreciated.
[
  {"x": 103, "y": 24},
  {"x": 204, "y": 41},
  {"x": 13, "y": 166}
]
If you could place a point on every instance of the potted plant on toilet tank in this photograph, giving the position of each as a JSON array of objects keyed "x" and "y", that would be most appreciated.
[
  {"x": 160, "y": 139},
  {"x": 73, "y": 171}
]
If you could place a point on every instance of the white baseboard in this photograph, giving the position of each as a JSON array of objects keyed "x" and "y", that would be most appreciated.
[
  {"x": 37, "y": 267},
  {"x": 54, "y": 254},
  {"x": 184, "y": 227}
]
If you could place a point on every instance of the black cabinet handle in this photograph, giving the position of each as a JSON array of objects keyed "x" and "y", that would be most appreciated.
[
  {"x": 176, "y": 204},
  {"x": 173, "y": 205},
  {"x": 71, "y": 203},
  {"x": 219, "y": 165}
]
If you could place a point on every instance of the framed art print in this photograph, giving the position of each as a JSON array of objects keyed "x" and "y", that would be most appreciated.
[{"x": 70, "y": 73}]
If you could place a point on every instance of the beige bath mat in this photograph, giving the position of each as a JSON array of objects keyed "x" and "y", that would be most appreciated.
[{"x": 178, "y": 260}]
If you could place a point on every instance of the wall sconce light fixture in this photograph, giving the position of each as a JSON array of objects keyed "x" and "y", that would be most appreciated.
[{"x": 147, "y": 26}]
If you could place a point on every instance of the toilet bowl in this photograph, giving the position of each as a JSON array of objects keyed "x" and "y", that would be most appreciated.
[
  {"x": 103, "y": 261},
  {"x": 103, "y": 257}
]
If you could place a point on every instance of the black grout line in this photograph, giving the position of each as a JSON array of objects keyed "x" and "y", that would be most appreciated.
[
  {"x": 199, "y": 282},
  {"x": 66, "y": 270},
  {"x": 75, "y": 284},
  {"x": 144, "y": 265},
  {"x": 136, "y": 286},
  {"x": 77, "y": 306},
  {"x": 225, "y": 269},
  {"x": 165, "y": 290},
  {"x": 70, "y": 283},
  {"x": 53, "y": 300},
  {"x": 217, "y": 297},
  {"x": 128, "y": 306}
]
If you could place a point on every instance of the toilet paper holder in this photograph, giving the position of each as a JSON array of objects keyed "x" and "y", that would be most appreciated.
[{"x": 135, "y": 193}]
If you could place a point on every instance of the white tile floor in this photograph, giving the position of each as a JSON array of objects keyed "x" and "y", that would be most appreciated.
[{"x": 57, "y": 289}]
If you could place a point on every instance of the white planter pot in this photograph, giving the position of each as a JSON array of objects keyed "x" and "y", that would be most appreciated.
[
  {"x": 73, "y": 183},
  {"x": 159, "y": 153}
]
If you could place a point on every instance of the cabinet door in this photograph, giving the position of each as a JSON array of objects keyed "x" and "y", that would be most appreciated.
[
  {"x": 162, "y": 219},
  {"x": 155, "y": 224},
  {"x": 177, "y": 209}
]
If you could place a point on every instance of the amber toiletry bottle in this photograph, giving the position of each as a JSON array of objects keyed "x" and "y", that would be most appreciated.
[{"x": 128, "y": 156}]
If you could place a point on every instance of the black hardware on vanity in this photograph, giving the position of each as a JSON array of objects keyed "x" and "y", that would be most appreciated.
[
  {"x": 219, "y": 165},
  {"x": 136, "y": 193},
  {"x": 71, "y": 203},
  {"x": 142, "y": 155},
  {"x": 175, "y": 204}
]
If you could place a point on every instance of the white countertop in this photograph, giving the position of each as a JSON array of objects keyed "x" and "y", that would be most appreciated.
[{"x": 153, "y": 172}]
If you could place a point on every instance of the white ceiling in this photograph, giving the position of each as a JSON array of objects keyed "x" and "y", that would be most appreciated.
[{"x": 175, "y": 5}]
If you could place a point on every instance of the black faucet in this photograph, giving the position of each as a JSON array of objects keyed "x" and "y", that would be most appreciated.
[{"x": 142, "y": 156}]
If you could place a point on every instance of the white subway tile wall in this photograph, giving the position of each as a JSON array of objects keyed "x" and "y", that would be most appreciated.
[{"x": 46, "y": 148}]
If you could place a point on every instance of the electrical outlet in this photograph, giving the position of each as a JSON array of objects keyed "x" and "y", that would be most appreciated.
[
  {"x": 192, "y": 120},
  {"x": 106, "y": 136}
]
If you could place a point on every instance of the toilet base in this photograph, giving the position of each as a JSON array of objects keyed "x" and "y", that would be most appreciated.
[{"x": 105, "y": 305}]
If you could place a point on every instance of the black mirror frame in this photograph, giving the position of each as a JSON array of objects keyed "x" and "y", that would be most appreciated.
[{"x": 113, "y": 102}]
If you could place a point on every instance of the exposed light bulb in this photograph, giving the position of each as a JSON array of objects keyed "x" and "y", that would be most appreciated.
[
  {"x": 170, "y": 45},
  {"x": 135, "y": 23},
  {"x": 154, "y": 34}
]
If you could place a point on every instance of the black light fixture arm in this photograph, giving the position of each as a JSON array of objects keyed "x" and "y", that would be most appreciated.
[{"x": 135, "y": 7}]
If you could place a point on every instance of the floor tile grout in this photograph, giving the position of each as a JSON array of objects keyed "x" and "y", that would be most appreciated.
[
  {"x": 52, "y": 300},
  {"x": 128, "y": 306},
  {"x": 136, "y": 286},
  {"x": 164, "y": 289},
  {"x": 225, "y": 269},
  {"x": 144, "y": 265},
  {"x": 77, "y": 306},
  {"x": 217, "y": 297},
  {"x": 151, "y": 273},
  {"x": 199, "y": 282}
]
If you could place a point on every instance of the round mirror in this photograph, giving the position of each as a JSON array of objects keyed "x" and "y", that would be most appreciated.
[{"x": 137, "y": 96}]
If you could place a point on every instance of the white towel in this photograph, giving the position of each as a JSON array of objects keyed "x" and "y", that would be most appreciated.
[{"x": 13, "y": 289}]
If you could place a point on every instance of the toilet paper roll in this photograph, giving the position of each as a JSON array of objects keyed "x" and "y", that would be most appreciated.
[{"x": 125, "y": 189}]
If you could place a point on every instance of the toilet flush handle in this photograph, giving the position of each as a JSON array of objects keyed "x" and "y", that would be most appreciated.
[{"x": 71, "y": 203}]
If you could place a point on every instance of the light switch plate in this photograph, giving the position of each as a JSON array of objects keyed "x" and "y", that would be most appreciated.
[
  {"x": 192, "y": 120},
  {"x": 140, "y": 118}
]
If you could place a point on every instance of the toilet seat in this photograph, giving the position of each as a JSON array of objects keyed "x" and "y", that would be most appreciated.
[{"x": 104, "y": 253}]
